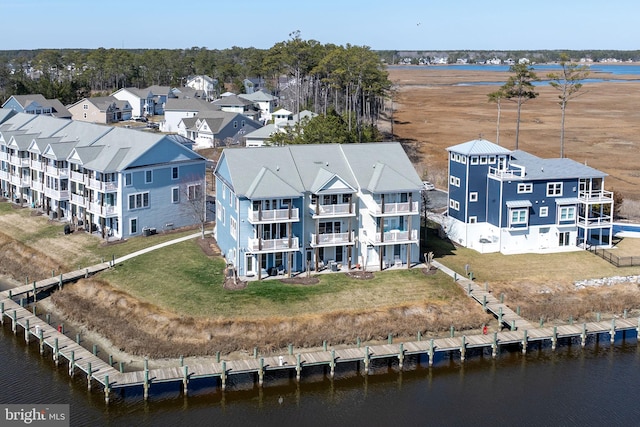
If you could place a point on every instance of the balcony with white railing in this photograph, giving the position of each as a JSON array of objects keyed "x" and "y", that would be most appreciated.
[
  {"x": 102, "y": 210},
  {"x": 273, "y": 245},
  {"x": 36, "y": 165},
  {"x": 595, "y": 196},
  {"x": 402, "y": 208},
  {"x": 56, "y": 194},
  {"x": 55, "y": 171},
  {"x": 18, "y": 181},
  {"x": 273, "y": 215},
  {"x": 102, "y": 186},
  {"x": 37, "y": 185},
  {"x": 4, "y": 156},
  {"x": 514, "y": 172},
  {"x": 4, "y": 175},
  {"x": 335, "y": 210},
  {"x": 331, "y": 239},
  {"x": 19, "y": 161},
  {"x": 397, "y": 236},
  {"x": 594, "y": 221},
  {"x": 77, "y": 199},
  {"x": 77, "y": 176}
]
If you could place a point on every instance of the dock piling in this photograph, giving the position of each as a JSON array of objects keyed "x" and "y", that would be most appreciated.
[
  {"x": 613, "y": 330},
  {"x": 185, "y": 379},
  {"x": 89, "y": 374},
  {"x": 261, "y": 372},
  {"x": 299, "y": 367},
  {"x": 525, "y": 339},
  {"x": 367, "y": 359},
  {"x": 583, "y": 336},
  {"x": 26, "y": 331},
  {"x": 554, "y": 338},
  {"x": 401, "y": 356},
  {"x": 223, "y": 376},
  {"x": 494, "y": 345},
  {"x": 431, "y": 349},
  {"x": 463, "y": 348},
  {"x": 72, "y": 363},
  {"x": 107, "y": 389}
]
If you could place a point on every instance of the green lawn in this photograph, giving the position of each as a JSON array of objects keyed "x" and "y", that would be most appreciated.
[{"x": 182, "y": 279}]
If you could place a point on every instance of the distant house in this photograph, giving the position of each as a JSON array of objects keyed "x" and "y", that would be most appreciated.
[
  {"x": 286, "y": 209},
  {"x": 514, "y": 202},
  {"x": 177, "y": 109},
  {"x": 263, "y": 101},
  {"x": 258, "y": 137},
  {"x": 204, "y": 83},
  {"x": 37, "y": 104},
  {"x": 102, "y": 109},
  {"x": 282, "y": 117},
  {"x": 145, "y": 102},
  {"x": 216, "y": 128},
  {"x": 113, "y": 180},
  {"x": 236, "y": 104}
]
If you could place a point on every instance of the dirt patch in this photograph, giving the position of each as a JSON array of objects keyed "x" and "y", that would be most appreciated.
[
  {"x": 429, "y": 271},
  {"x": 232, "y": 284},
  {"x": 209, "y": 246}
]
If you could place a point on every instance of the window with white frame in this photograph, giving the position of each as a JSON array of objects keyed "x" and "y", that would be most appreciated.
[
  {"x": 133, "y": 225},
  {"x": 473, "y": 219},
  {"x": 492, "y": 159},
  {"x": 474, "y": 160},
  {"x": 194, "y": 191},
  {"x": 473, "y": 196},
  {"x": 233, "y": 227},
  {"x": 128, "y": 179},
  {"x": 554, "y": 189},
  {"x": 454, "y": 204},
  {"x": 148, "y": 177},
  {"x": 544, "y": 211},
  {"x": 483, "y": 160},
  {"x": 174, "y": 172},
  {"x": 567, "y": 213},
  {"x": 454, "y": 180},
  {"x": 219, "y": 210},
  {"x": 518, "y": 216},
  {"x": 463, "y": 159},
  {"x": 85, "y": 106},
  {"x": 138, "y": 200},
  {"x": 525, "y": 188},
  {"x": 223, "y": 218},
  {"x": 175, "y": 195},
  {"x": 453, "y": 156}
]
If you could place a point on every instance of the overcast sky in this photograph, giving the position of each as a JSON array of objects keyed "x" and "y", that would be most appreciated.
[{"x": 393, "y": 25}]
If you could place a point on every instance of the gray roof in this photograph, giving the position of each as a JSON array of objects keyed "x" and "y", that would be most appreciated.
[
  {"x": 264, "y": 132},
  {"x": 58, "y": 110},
  {"x": 291, "y": 170},
  {"x": 232, "y": 101},
  {"x": 258, "y": 96},
  {"x": 478, "y": 147},
  {"x": 5, "y": 114},
  {"x": 188, "y": 104},
  {"x": 545, "y": 169}
]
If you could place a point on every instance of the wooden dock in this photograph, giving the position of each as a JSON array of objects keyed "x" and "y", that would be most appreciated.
[{"x": 79, "y": 359}]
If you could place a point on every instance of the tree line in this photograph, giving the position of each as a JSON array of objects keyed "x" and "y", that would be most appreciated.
[{"x": 350, "y": 81}]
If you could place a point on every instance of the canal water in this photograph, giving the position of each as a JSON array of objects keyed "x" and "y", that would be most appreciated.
[{"x": 597, "y": 385}]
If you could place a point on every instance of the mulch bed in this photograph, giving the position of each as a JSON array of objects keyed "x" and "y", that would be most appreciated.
[
  {"x": 301, "y": 280},
  {"x": 231, "y": 285},
  {"x": 206, "y": 246},
  {"x": 429, "y": 271},
  {"x": 362, "y": 275}
]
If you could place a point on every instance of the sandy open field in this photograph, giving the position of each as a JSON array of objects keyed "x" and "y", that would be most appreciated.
[{"x": 434, "y": 110}]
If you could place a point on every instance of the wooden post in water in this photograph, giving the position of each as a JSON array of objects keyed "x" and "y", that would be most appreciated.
[
  {"x": 35, "y": 298},
  {"x": 366, "y": 360},
  {"x": 524, "y": 342},
  {"x": 223, "y": 376},
  {"x": 554, "y": 338},
  {"x": 26, "y": 331},
  {"x": 431, "y": 350},
  {"x": 261, "y": 372},
  {"x": 494, "y": 345},
  {"x": 72, "y": 363},
  {"x": 500, "y": 317},
  {"x": 299, "y": 367},
  {"x": 583, "y": 336},
  {"x": 145, "y": 386},
  {"x": 185, "y": 379},
  {"x": 56, "y": 354},
  {"x": 89, "y": 373},
  {"x": 41, "y": 338},
  {"x": 14, "y": 322},
  {"x": 107, "y": 389},
  {"x": 613, "y": 330},
  {"x": 401, "y": 356},
  {"x": 332, "y": 364},
  {"x": 463, "y": 348},
  {"x": 2, "y": 314}
]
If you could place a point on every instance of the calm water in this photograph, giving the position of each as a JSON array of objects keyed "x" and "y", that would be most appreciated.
[{"x": 571, "y": 386}]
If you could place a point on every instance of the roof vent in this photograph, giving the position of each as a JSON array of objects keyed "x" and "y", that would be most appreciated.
[
  {"x": 542, "y": 169},
  {"x": 277, "y": 168}
]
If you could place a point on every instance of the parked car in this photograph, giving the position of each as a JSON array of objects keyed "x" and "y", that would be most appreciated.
[
  {"x": 138, "y": 119},
  {"x": 428, "y": 186}
]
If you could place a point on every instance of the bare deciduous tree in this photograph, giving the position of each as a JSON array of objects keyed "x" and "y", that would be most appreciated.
[{"x": 193, "y": 201}]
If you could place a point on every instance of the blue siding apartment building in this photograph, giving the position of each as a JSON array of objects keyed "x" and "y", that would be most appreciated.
[
  {"x": 309, "y": 207},
  {"x": 514, "y": 202},
  {"x": 112, "y": 180}
]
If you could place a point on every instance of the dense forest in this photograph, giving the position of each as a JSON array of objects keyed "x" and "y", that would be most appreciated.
[{"x": 350, "y": 81}]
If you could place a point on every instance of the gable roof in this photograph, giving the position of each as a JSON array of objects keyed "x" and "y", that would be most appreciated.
[
  {"x": 57, "y": 109},
  {"x": 279, "y": 171},
  {"x": 232, "y": 101}
]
